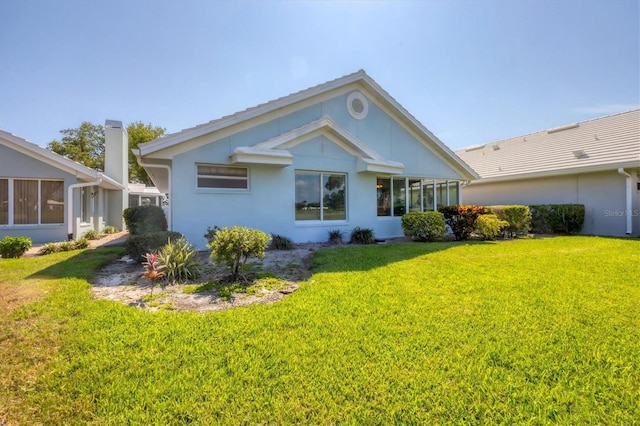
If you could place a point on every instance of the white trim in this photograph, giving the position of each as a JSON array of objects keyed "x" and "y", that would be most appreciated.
[
  {"x": 273, "y": 152},
  {"x": 286, "y": 105},
  {"x": 357, "y": 96},
  {"x": 70, "y": 189},
  {"x": 628, "y": 199}
]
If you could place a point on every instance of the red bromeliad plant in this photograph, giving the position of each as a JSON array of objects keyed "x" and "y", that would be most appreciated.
[{"x": 153, "y": 270}]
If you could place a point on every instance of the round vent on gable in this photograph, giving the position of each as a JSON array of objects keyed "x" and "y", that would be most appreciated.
[{"x": 357, "y": 105}]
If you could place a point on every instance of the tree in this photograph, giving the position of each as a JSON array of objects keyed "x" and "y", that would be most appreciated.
[
  {"x": 84, "y": 145},
  {"x": 140, "y": 133}
]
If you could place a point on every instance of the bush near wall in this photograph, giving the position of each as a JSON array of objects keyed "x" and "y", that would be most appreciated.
[
  {"x": 489, "y": 226},
  {"x": 424, "y": 226},
  {"x": 462, "y": 219},
  {"x": 518, "y": 218},
  {"x": 557, "y": 218},
  {"x": 12, "y": 247},
  {"x": 144, "y": 219},
  {"x": 151, "y": 242}
]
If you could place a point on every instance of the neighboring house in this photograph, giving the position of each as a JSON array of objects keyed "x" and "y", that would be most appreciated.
[
  {"x": 142, "y": 195},
  {"x": 48, "y": 197},
  {"x": 333, "y": 157},
  {"x": 594, "y": 162}
]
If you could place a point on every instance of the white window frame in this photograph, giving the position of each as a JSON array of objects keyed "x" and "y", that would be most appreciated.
[
  {"x": 423, "y": 182},
  {"x": 11, "y": 206},
  {"x": 322, "y": 220},
  {"x": 207, "y": 188}
]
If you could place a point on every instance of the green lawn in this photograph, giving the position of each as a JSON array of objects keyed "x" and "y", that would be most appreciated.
[{"x": 530, "y": 331}]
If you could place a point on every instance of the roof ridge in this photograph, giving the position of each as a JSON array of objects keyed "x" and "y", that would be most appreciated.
[{"x": 272, "y": 101}]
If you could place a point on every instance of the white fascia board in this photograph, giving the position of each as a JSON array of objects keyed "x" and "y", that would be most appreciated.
[
  {"x": 261, "y": 156},
  {"x": 58, "y": 161},
  {"x": 552, "y": 173},
  {"x": 444, "y": 151},
  {"x": 323, "y": 126},
  {"x": 379, "y": 166},
  {"x": 239, "y": 117}
]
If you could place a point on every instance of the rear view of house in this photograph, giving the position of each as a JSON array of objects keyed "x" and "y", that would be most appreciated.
[
  {"x": 332, "y": 157},
  {"x": 48, "y": 197},
  {"x": 594, "y": 162}
]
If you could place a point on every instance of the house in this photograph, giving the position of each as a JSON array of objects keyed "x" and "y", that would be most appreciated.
[
  {"x": 594, "y": 162},
  {"x": 48, "y": 197},
  {"x": 142, "y": 195},
  {"x": 332, "y": 157}
]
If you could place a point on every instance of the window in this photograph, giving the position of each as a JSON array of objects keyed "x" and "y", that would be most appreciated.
[
  {"x": 415, "y": 186},
  {"x": 320, "y": 196},
  {"x": 4, "y": 201},
  {"x": 25, "y": 202},
  {"x": 399, "y": 197},
  {"x": 31, "y": 201},
  {"x": 222, "y": 177},
  {"x": 52, "y": 201},
  {"x": 414, "y": 195},
  {"x": 383, "y": 187}
]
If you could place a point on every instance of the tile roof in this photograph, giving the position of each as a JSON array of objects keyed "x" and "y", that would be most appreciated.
[{"x": 597, "y": 144}]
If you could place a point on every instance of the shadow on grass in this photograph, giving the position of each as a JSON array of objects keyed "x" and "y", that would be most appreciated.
[
  {"x": 367, "y": 257},
  {"x": 84, "y": 265}
]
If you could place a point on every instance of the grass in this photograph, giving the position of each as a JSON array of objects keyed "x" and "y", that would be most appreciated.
[{"x": 530, "y": 331}]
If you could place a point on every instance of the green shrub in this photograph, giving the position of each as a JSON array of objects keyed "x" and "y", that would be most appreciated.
[
  {"x": 12, "y": 247},
  {"x": 49, "y": 248},
  {"x": 110, "y": 230},
  {"x": 210, "y": 235},
  {"x": 518, "y": 218},
  {"x": 180, "y": 261},
  {"x": 234, "y": 246},
  {"x": 336, "y": 236},
  {"x": 80, "y": 243},
  {"x": 424, "y": 226},
  {"x": 461, "y": 219},
  {"x": 139, "y": 245},
  {"x": 92, "y": 235},
  {"x": 279, "y": 242},
  {"x": 144, "y": 219},
  {"x": 489, "y": 226},
  {"x": 362, "y": 236},
  {"x": 557, "y": 218}
]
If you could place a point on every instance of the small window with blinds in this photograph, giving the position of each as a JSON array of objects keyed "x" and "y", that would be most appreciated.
[{"x": 222, "y": 177}]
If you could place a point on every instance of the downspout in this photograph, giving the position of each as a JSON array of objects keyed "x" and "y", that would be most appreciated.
[
  {"x": 168, "y": 169},
  {"x": 628, "y": 193},
  {"x": 70, "y": 203}
]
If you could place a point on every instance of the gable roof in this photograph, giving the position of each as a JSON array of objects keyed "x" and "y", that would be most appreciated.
[
  {"x": 598, "y": 144},
  {"x": 274, "y": 150},
  {"x": 358, "y": 79},
  {"x": 56, "y": 160}
]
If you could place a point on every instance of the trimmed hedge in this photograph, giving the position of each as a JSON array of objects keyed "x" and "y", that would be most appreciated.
[
  {"x": 462, "y": 219},
  {"x": 13, "y": 247},
  {"x": 144, "y": 219},
  {"x": 424, "y": 226},
  {"x": 557, "y": 218},
  {"x": 490, "y": 226},
  {"x": 518, "y": 218},
  {"x": 152, "y": 242}
]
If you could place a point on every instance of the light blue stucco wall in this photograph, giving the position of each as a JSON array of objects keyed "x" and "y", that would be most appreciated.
[{"x": 270, "y": 201}]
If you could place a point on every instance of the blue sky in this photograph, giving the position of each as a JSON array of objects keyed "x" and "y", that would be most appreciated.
[{"x": 470, "y": 71}]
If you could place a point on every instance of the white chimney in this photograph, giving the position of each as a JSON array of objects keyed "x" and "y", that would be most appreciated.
[{"x": 116, "y": 166}]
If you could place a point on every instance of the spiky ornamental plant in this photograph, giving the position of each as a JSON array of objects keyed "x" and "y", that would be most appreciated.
[
  {"x": 180, "y": 261},
  {"x": 153, "y": 270}
]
